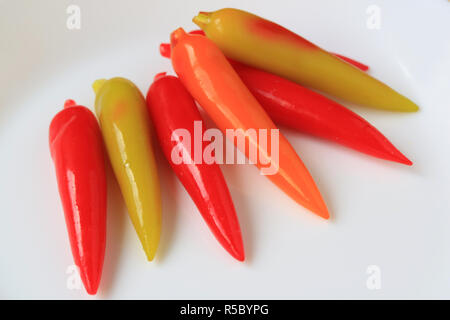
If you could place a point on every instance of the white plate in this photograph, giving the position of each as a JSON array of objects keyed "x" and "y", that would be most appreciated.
[{"x": 394, "y": 217}]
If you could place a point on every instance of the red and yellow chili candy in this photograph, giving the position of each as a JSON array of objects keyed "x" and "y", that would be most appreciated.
[{"x": 263, "y": 44}]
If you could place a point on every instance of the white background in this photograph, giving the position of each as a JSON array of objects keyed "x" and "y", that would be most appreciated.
[{"x": 383, "y": 214}]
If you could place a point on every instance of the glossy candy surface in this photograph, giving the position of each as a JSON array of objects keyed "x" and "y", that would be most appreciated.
[
  {"x": 77, "y": 151},
  {"x": 260, "y": 43},
  {"x": 125, "y": 125},
  {"x": 212, "y": 81},
  {"x": 172, "y": 109}
]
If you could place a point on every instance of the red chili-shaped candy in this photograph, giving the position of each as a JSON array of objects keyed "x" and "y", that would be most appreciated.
[
  {"x": 299, "y": 108},
  {"x": 173, "y": 110},
  {"x": 77, "y": 150}
]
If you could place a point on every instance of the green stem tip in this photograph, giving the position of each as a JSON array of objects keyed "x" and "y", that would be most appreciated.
[{"x": 202, "y": 19}]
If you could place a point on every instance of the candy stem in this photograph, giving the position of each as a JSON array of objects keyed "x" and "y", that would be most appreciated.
[
  {"x": 202, "y": 19},
  {"x": 176, "y": 36},
  {"x": 98, "y": 84},
  {"x": 69, "y": 103},
  {"x": 164, "y": 50},
  {"x": 159, "y": 75}
]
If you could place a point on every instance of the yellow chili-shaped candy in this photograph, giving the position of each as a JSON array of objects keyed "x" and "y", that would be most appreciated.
[
  {"x": 263, "y": 44},
  {"x": 125, "y": 126}
]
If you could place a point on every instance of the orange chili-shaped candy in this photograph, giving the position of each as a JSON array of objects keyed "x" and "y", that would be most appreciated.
[{"x": 212, "y": 81}]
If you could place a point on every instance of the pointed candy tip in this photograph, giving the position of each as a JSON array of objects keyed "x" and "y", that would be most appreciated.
[
  {"x": 237, "y": 251},
  {"x": 69, "y": 103},
  {"x": 403, "y": 160},
  {"x": 407, "y": 105},
  {"x": 394, "y": 155},
  {"x": 408, "y": 163},
  {"x": 399, "y": 157},
  {"x": 150, "y": 255},
  {"x": 313, "y": 202},
  {"x": 323, "y": 213},
  {"x": 91, "y": 284},
  {"x": 319, "y": 209},
  {"x": 91, "y": 291},
  {"x": 412, "y": 107},
  {"x": 98, "y": 84},
  {"x": 240, "y": 258},
  {"x": 150, "y": 249}
]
